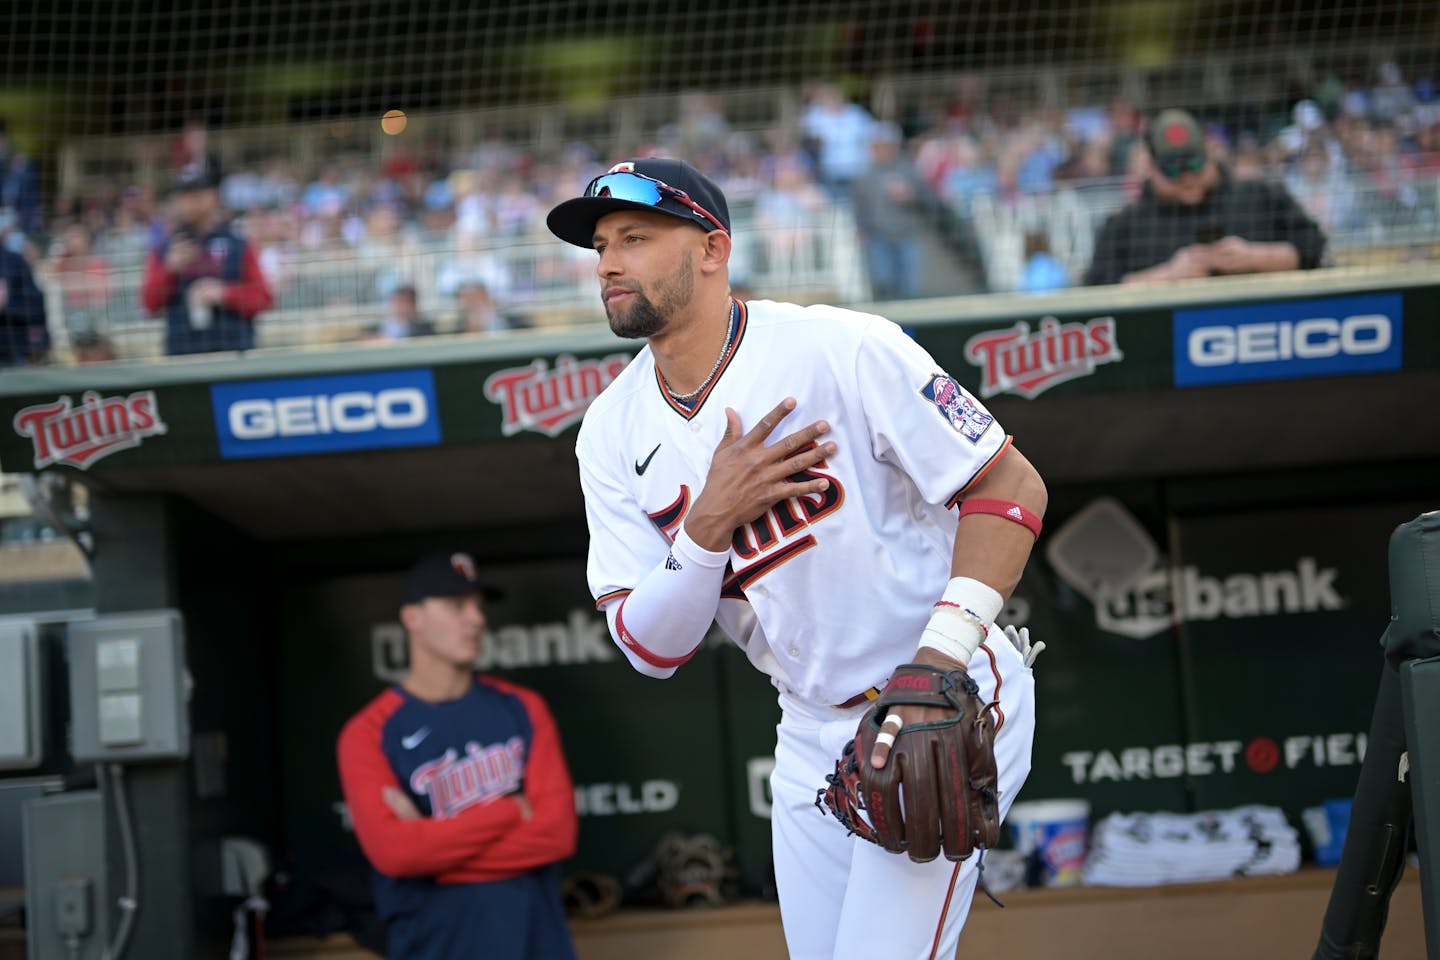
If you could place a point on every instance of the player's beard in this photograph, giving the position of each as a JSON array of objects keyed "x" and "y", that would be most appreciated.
[{"x": 643, "y": 317}]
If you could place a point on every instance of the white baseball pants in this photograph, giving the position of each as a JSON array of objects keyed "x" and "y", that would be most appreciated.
[{"x": 842, "y": 897}]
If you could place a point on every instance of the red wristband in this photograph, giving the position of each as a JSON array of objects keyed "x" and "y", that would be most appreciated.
[{"x": 1003, "y": 508}]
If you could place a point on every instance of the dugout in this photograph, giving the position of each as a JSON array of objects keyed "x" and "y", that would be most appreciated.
[{"x": 1248, "y": 442}]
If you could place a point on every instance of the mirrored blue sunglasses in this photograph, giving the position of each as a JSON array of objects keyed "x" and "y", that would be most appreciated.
[{"x": 639, "y": 188}]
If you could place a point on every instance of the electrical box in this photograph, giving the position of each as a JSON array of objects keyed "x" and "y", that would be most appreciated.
[
  {"x": 66, "y": 894},
  {"x": 21, "y": 695},
  {"x": 127, "y": 687}
]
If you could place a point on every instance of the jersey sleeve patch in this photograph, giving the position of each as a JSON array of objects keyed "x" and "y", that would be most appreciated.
[{"x": 967, "y": 417}]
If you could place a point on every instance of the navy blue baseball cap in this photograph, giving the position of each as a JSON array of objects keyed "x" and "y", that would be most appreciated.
[
  {"x": 445, "y": 575},
  {"x": 671, "y": 187},
  {"x": 202, "y": 173}
]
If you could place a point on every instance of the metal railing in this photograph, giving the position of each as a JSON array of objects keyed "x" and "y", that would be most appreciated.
[
  {"x": 337, "y": 296},
  {"x": 324, "y": 298}
]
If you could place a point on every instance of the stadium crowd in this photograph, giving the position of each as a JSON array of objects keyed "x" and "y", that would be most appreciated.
[{"x": 1363, "y": 159}]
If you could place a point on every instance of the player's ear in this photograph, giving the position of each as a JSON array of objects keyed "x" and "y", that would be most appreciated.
[{"x": 716, "y": 252}]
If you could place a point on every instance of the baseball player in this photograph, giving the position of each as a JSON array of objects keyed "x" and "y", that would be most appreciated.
[
  {"x": 459, "y": 791},
  {"x": 812, "y": 480}
]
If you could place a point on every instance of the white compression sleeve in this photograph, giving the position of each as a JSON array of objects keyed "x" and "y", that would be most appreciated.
[{"x": 660, "y": 623}]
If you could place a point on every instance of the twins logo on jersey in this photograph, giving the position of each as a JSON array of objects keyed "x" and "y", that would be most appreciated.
[
  {"x": 453, "y": 782},
  {"x": 956, "y": 406},
  {"x": 777, "y": 535}
]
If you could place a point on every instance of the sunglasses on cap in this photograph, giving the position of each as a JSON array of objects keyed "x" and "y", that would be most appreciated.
[
  {"x": 647, "y": 190},
  {"x": 1174, "y": 166}
]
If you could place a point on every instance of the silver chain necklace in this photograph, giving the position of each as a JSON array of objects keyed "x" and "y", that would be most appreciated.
[{"x": 724, "y": 349}]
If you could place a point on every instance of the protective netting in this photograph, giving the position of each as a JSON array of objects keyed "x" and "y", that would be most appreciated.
[{"x": 1021, "y": 123}]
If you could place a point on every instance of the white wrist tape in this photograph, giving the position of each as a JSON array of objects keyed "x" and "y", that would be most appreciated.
[{"x": 962, "y": 618}]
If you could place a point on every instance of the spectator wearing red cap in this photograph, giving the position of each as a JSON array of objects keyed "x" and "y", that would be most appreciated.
[{"x": 1194, "y": 219}]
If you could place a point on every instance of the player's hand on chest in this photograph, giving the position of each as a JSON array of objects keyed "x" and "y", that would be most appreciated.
[{"x": 755, "y": 466}]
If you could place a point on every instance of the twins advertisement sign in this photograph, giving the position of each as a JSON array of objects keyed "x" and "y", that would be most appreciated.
[
  {"x": 546, "y": 399},
  {"x": 1156, "y": 347},
  {"x": 64, "y": 433},
  {"x": 1026, "y": 362}
]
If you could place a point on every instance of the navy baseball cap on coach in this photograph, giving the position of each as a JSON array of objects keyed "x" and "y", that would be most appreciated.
[
  {"x": 200, "y": 174},
  {"x": 671, "y": 187},
  {"x": 445, "y": 575}
]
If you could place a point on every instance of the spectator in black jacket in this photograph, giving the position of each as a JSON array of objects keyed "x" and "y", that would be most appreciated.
[
  {"x": 24, "y": 337},
  {"x": 1193, "y": 219},
  {"x": 402, "y": 319},
  {"x": 19, "y": 184}
]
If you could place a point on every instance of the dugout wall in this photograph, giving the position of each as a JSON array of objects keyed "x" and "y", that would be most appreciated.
[{"x": 1265, "y": 480}]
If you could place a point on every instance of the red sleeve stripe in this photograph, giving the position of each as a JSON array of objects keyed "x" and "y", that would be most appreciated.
[
  {"x": 649, "y": 656},
  {"x": 607, "y": 597},
  {"x": 960, "y": 494}
]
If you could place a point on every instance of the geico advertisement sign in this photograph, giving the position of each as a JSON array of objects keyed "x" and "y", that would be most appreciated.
[
  {"x": 1309, "y": 338},
  {"x": 1164, "y": 596},
  {"x": 582, "y": 637},
  {"x": 266, "y": 418},
  {"x": 1222, "y": 757}
]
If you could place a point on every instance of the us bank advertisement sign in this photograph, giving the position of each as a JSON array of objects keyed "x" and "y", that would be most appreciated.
[
  {"x": 363, "y": 411},
  {"x": 1282, "y": 341}
]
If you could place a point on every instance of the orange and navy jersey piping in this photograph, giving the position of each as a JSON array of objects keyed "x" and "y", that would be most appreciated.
[
  {"x": 605, "y": 598},
  {"x": 689, "y": 411},
  {"x": 959, "y": 495}
]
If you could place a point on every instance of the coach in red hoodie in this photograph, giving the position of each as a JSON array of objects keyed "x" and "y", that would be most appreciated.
[{"x": 458, "y": 790}]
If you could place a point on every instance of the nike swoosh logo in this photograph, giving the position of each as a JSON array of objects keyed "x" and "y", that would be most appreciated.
[
  {"x": 413, "y": 741},
  {"x": 642, "y": 466}
]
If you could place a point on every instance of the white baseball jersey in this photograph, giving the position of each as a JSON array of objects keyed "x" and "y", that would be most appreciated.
[{"x": 825, "y": 593}]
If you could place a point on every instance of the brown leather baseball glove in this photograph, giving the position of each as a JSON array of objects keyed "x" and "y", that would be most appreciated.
[{"x": 938, "y": 789}]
